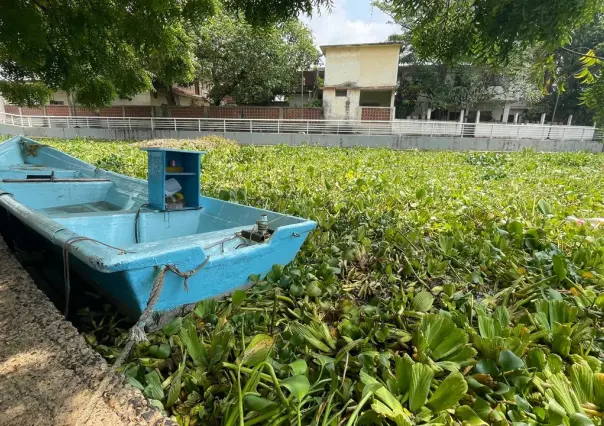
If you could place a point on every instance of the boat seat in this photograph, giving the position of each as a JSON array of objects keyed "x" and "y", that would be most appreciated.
[{"x": 30, "y": 171}]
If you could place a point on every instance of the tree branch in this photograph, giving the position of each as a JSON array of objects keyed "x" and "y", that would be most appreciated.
[{"x": 581, "y": 54}]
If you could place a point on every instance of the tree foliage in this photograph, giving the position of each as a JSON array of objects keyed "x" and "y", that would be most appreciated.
[
  {"x": 103, "y": 49},
  {"x": 560, "y": 71},
  {"x": 253, "y": 64},
  {"x": 488, "y": 30}
]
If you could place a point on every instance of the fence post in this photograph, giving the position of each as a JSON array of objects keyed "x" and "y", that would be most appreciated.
[
  {"x": 518, "y": 132},
  {"x": 251, "y": 129},
  {"x": 563, "y": 132},
  {"x": 174, "y": 124},
  {"x": 224, "y": 125},
  {"x": 583, "y": 133},
  {"x": 199, "y": 124},
  {"x": 29, "y": 122},
  {"x": 432, "y": 129},
  {"x": 152, "y": 122},
  {"x": 108, "y": 123},
  {"x": 307, "y": 122},
  {"x": 278, "y": 126},
  {"x": 491, "y": 135},
  {"x": 129, "y": 123}
]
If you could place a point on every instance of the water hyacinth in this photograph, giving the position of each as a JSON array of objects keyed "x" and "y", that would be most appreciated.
[{"x": 439, "y": 288}]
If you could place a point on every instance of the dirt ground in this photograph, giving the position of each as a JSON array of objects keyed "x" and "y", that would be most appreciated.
[{"x": 48, "y": 374}]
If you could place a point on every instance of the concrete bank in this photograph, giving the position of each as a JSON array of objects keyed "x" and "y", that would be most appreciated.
[
  {"x": 48, "y": 374},
  {"x": 451, "y": 143}
]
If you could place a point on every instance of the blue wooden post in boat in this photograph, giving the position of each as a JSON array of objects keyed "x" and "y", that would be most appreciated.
[
  {"x": 181, "y": 166},
  {"x": 94, "y": 216}
]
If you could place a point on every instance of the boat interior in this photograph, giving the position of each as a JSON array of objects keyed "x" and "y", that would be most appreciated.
[{"x": 112, "y": 208}]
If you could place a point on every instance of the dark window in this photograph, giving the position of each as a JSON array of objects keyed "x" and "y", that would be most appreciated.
[
  {"x": 341, "y": 93},
  {"x": 53, "y": 102}
]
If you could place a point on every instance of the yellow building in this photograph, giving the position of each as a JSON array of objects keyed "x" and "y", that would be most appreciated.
[{"x": 360, "y": 81}]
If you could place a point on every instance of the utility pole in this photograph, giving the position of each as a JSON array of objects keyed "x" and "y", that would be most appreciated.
[{"x": 556, "y": 104}]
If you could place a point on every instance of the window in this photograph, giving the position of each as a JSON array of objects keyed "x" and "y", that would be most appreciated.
[
  {"x": 341, "y": 93},
  {"x": 53, "y": 102}
]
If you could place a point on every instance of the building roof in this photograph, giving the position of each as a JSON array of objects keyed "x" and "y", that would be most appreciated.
[{"x": 385, "y": 43}]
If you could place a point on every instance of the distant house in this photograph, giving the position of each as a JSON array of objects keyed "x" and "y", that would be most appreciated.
[
  {"x": 195, "y": 94},
  {"x": 501, "y": 107},
  {"x": 360, "y": 81}
]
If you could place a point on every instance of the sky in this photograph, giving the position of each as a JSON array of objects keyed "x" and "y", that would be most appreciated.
[{"x": 350, "y": 21}]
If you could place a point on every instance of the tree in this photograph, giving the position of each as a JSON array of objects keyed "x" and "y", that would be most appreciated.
[
  {"x": 488, "y": 31},
  {"x": 565, "y": 92},
  {"x": 253, "y": 64},
  {"x": 102, "y": 49}
]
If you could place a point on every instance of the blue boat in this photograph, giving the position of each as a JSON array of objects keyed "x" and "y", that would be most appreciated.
[{"x": 124, "y": 234}]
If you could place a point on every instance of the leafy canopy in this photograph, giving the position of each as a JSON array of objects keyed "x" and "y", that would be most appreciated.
[
  {"x": 103, "y": 49},
  {"x": 250, "y": 63},
  {"x": 490, "y": 30}
]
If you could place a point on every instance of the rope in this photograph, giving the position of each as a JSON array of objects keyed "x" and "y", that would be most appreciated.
[{"x": 137, "y": 332}]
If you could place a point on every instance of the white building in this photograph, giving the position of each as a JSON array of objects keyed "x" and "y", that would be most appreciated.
[{"x": 360, "y": 81}]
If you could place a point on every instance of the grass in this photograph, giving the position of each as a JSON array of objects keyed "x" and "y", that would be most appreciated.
[{"x": 438, "y": 288}]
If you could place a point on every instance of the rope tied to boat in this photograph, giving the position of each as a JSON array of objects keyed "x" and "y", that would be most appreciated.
[{"x": 137, "y": 332}]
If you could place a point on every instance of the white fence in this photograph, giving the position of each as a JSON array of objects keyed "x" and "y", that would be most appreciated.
[{"x": 344, "y": 127}]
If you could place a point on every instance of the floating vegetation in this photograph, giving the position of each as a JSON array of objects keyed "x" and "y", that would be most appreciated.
[{"x": 439, "y": 288}]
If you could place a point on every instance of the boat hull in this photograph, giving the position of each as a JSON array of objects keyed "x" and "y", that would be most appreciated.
[{"x": 115, "y": 242}]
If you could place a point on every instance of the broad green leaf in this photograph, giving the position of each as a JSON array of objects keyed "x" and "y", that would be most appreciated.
[
  {"x": 173, "y": 327},
  {"x": 441, "y": 335},
  {"x": 188, "y": 336},
  {"x": 421, "y": 377},
  {"x": 238, "y": 298},
  {"x": 448, "y": 393},
  {"x": 599, "y": 390},
  {"x": 298, "y": 367},
  {"x": 468, "y": 416},
  {"x": 559, "y": 268},
  {"x": 544, "y": 207},
  {"x": 487, "y": 366},
  {"x": 399, "y": 384},
  {"x": 175, "y": 387},
  {"x": 382, "y": 393},
  {"x": 581, "y": 378},
  {"x": 161, "y": 352},
  {"x": 509, "y": 361},
  {"x": 153, "y": 390},
  {"x": 422, "y": 302},
  {"x": 555, "y": 363},
  {"x": 298, "y": 386},
  {"x": 224, "y": 195},
  {"x": 578, "y": 419},
  {"x": 564, "y": 395},
  {"x": 258, "y": 404},
  {"x": 257, "y": 350}
]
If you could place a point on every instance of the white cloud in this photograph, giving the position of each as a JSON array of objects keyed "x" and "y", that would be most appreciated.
[{"x": 338, "y": 27}]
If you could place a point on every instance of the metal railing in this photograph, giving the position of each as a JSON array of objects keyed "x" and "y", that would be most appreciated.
[{"x": 338, "y": 127}]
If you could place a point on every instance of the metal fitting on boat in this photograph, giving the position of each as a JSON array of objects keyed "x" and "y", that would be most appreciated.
[{"x": 262, "y": 224}]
